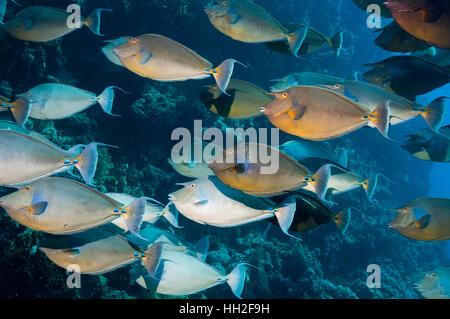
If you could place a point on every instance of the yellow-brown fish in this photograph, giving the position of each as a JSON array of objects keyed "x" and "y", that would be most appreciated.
[
  {"x": 425, "y": 219},
  {"x": 245, "y": 21},
  {"x": 42, "y": 24},
  {"x": 159, "y": 58},
  {"x": 427, "y": 20},
  {"x": 316, "y": 113},
  {"x": 247, "y": 173},
  {"x": 244, "y": 100}
]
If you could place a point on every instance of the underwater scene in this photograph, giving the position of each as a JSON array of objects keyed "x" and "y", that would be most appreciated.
[{"x": 224, "y": 149}]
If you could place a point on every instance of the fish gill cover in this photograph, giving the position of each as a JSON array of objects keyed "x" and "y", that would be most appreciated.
[{"x": 327, "y": 263}]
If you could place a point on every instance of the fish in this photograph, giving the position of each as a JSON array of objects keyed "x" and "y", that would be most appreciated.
[
  {"x": 190, "y": 167},
  {"x": 428, "y": 145},
  {"x": 153, "y": 211},
  {"x": 55, "y": 101},
  {"x": 159, "y": 58},
  {"x": 311, "y": 213},
  {"x": 401, "y": 109},
  {"x": 181, "y": 274},
  {"x": 20, "y": 108},
  {"x": 43, "y": 24},
  {"x": 407, "y": 75},
  {"x": 318, "y": 114},
  {"x": 26, "y": 157},
  {"x": 208, "y": 201},
  {"x": 108, "y": 49},
  {"x": 303, "y": 78},
  {"x": 105, "y": 255},
  {"x": 245, "y": 21},
  {"x": 243, "y": 102},
  {"x": 62, "y": 206},
  {"x": 427, "y": 20},
  {"x": 247, "y": 174},
  {"x": 154, "y": 234},
  {"x": 394, "y": 39},
  {"x": 301, "y": 151},
  {"x": 3, "y": 4},
  {"x": 437, "y": 56},
  {"x": 424, "y": 219},
  {"x": 436, "y": 284},
  {"x": 313, "y": 41},
  {"x": 364, "y": 4}
]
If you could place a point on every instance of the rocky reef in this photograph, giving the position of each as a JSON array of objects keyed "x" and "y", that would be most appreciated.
[{"x": 325, "y": 264}]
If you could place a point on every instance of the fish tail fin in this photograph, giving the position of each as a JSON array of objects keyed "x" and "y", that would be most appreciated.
[
  {"x": 152, "y": 258},
  {"x": 106, "y": 99},
  {"x": 342, "y": 220},
  {"x": 134, "y": 215},
  {"x": 434, "y": 113},
  {"x": 285, "y": 215},
  {"x": 93, "y": 21},
  {"x": 380, "y": 117},
  {"x": 320, "y": 180},
  {"x": 171, "y": 215},
  {"x": 223, "y": 73},
  {"x": 21, "y": 110},
  {"x": 295, "y": 40},
  {"x": 87, "y": 163},
  {"x": 336, "y": 42},
  {"x": 236, "y": 280},
  {"x": 201, "y": 248},
  {"x": 369, "y": 186},
  {"x": 343, "y": 158}
]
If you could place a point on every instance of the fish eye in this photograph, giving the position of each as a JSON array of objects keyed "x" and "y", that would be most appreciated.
[
  {"x": 27, "y": 188},
  {"x": 29, "y": 93},
  {"x": 192, "y": 185},
  {"x": 433, "y": 274},
  {"x": 285, "y": 95},
  {"x": 337, "y": 86},
  {"x": 405, "y": 209},
  {"x": 285, "y": 79},
  {"x": 224, "y": 3},
  {"x": 134, "y": 40}
]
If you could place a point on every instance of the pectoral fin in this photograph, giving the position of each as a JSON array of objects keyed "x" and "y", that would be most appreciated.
[
  {"x": 201, "y": 203},
  {"x": 143, "y": 56},
  {"x": 232, "y": 17},
  {"x": 296, "y": 111},
  {"x": 422, "y": 222},
  {"x": 26, "y": 24},
  {"x": 37, "y": 209},
  {"x": 432, "y": 13}
]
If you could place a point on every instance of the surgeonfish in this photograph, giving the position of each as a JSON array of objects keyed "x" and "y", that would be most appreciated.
[
  {"x": 245, "y": 21},
  {"x": 317, "y": 114},
  {"x": 430, "y": 146},
  {"x": 189, "y": 167},
  {"x": 428, "y": 20},
  {"x": 407, "y": 75},
  {"x": 424, "y": 219},
  {"x": 247, "y": 174},
  {"x": 54, "y": 101},
  {"x": 208, "y": 201},
  {"x": 435, "y": 284},
  {"x": 108, "y": 49},
  {"x": 20, "y": 108},
  {"x": 243, "y": 102},
  {"x": 154, "y": 234},
  {"x": 26, "y": 157},
  {"x": 313, "y": 41},
  {"x": 153, "y": 211},
  {"x": 62, "y": 206},
  {"x": 105, "y": 255},
  {"x": 401, "y": 109},
  {"x": 159, "y": 58},
  {"x": 42, "y": 24},
  {"x": 304, "y": 78},
  {"x": 394, "y": 39},
  {"x": 180, "y": 274}
]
